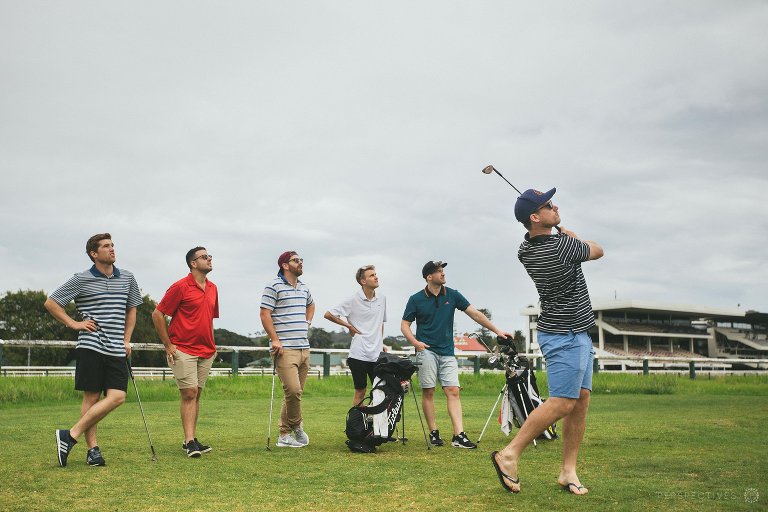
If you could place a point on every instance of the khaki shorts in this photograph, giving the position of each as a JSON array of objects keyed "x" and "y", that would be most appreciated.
[{"x": 191, "y": 371}]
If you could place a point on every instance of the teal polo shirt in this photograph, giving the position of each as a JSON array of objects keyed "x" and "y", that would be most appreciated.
[{"x": 434, "y": 317}]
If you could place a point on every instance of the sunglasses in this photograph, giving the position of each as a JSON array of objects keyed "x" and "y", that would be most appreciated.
[
  {"x": 204, "y": 256},
  {"x": 548, "y": 205},
  {"x": 296, "y": 260}
]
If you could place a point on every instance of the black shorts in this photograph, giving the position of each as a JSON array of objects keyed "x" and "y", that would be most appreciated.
[
  {"x": 360, "y": 370},
  {"x": 96, "y": 372}
]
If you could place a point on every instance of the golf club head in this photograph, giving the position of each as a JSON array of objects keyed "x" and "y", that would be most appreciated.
[{"x": 489, "y": 169}]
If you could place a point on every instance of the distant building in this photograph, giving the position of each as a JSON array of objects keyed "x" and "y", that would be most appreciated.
[
  {"x": 661, "y": 329},
  {"x": 466, "y": 346}
]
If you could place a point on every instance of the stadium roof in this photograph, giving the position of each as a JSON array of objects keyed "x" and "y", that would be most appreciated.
[{"x": 661, "y": 307}]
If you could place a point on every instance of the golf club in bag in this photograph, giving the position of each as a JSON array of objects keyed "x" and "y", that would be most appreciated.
[
  {"x": 373, "y": 425},
  {"x": 141, "y": 408},
  {"x": 520, "y": 393}
]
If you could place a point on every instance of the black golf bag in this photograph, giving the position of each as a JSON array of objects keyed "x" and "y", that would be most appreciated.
[
  {"x": 522, "y": 397},
  {"x": 369, "y": 426}
]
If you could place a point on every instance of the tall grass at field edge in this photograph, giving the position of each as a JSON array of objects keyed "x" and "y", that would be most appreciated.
[{"x": 48, "y": 390}]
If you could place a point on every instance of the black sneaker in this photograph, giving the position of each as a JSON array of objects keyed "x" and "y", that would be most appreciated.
[
  {"x": 434, "y": 438},
  {"x": 94, "y": 457},
  {"x": 462, "y": 441},
  {"x": 192, "y": 449},
  {"x": 204, "y": 448},
  {"x": 64, "y": 444}
]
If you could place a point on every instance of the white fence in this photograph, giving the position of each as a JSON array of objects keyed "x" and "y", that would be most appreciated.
[{"x": 620, "y": 363}]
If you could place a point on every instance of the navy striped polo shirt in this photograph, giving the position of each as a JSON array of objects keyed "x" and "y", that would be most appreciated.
[
  {"x": 104, "y": 300},
  {"x": 554, "y": 264}
]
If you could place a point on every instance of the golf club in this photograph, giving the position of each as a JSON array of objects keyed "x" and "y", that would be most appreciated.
[
  {"x": 271, "y": 401},
  {"x": 489, "y": 169},
  {"x": 138, "y": 398},
  {"x": 410, "y": 384}
]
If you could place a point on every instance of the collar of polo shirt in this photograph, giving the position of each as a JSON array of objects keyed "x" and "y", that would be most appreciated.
[
  {"x": 96, "y": 273},
  {"x": 429, "y": 293},
  {"x": 281, "y": 276},
  {"x": 361, "y": 294}
]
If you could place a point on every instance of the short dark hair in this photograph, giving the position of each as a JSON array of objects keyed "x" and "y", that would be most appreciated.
[
  {"x": 191, "y": 255},
  {"x": 527, "y": 223},
  {"x": 361, "y": 273},
  {"x": 92, "y": 245}
]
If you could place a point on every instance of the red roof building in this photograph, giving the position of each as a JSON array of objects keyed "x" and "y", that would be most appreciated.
[{"x": 467, "y": 345}]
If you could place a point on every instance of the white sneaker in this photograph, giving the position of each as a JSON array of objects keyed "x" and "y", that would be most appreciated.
[
  {"x": 301, "y": 436},
  {"x": 288, "y": 441}
]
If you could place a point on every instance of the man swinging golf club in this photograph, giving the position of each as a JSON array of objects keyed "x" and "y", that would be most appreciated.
[
  {"x": 107, "y": 297},
  {"x": 287, "y": 309},
  {"x": 553, "y": 260}
]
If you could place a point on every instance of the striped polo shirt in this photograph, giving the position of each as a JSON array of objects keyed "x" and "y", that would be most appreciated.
[
  {"x": 289, "y": 311},
  {"x": 104, "y": 300},
  {"x": 554, "y": 264}
]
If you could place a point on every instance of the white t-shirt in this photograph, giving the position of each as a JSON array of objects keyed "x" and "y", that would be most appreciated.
[{"x": 367, "y": 316}]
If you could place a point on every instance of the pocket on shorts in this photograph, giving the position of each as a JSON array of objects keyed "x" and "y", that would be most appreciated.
[{"x": 176, "y": 354}]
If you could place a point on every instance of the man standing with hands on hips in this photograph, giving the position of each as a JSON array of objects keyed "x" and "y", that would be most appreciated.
[
  {"x": 107, "y": 298},
  {"x": 365, "y": 313},
  {"x": 192, "y": 303},
  {"x": 432, "y": 308},
  {"x": 286, "y": 313},
  {"x": 553, "y": 260}
]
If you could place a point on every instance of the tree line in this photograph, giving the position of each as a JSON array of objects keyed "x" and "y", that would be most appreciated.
[{"x": 23, "y": 317}]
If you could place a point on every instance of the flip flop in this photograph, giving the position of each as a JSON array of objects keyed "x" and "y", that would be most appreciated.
[
  {"x": 567, "y": 487},
  {"x": 502, "y": 475}
]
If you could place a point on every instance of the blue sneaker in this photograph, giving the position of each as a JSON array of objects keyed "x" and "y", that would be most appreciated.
[
  {"x": 64, "y": 444},
  {"x": 94, "y": 457}
]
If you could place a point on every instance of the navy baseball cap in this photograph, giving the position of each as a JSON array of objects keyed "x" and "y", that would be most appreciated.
[{"x": 530, "y": 201}]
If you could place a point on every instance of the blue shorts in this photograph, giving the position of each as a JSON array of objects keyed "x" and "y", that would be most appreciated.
[
  {"x": 569, "y": 362},
  {"x": 435, "y": 367}
]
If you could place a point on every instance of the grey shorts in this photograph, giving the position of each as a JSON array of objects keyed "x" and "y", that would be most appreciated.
[{"x": 435, "y": 367}]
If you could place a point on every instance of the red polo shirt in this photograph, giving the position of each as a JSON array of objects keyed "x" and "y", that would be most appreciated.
[{"x": 192, "y": 311}]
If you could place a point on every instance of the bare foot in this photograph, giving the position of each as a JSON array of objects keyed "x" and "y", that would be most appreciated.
[
  {"x": 506, "y": 468},
  {"x": 572, "y": 484}
]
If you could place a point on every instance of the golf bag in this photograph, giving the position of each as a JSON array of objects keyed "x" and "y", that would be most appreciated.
[
  {"x": 521, "y": 397},
  {"x": 369, "y": 426}
]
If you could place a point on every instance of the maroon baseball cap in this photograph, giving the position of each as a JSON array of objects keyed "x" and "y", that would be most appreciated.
[{"x": 285, "y": 257}]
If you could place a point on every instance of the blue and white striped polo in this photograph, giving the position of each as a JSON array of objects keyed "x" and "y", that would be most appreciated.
[
  {"x": 105, "y": 300},
  {"x": 289, "y": 311}
]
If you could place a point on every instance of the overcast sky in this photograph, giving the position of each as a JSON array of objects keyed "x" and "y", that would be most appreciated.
[{"x": 355, "y": 132}]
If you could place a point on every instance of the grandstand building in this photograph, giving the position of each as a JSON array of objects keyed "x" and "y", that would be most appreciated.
[{"x": 640, "y": 328}]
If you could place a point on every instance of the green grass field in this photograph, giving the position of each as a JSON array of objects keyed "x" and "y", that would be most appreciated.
[{"x": 652, "y": 443}]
